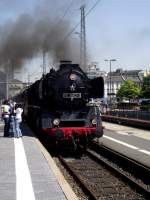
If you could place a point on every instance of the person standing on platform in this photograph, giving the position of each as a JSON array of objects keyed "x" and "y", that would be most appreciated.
[
  {"x": 18, "y": 120},
  {"x": 6, "y": 114},
  {"x": 12, "y": 127},
  {"x": 2, "y": 110}
]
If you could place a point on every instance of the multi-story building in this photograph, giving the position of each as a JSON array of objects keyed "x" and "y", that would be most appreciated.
[
  {"x": 115, "y": 79},
  {"x": 14, "y": 87},
  {"x": 9, "y": 88},
  {"x": 2, "y": 85},
  {"x": 94, "y": 71}
]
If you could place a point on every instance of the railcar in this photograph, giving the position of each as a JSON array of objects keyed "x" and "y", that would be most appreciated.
[{"x": 58, "y": 105}]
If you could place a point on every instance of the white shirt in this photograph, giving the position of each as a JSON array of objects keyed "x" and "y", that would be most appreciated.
[{"x": 19, "y": 113}]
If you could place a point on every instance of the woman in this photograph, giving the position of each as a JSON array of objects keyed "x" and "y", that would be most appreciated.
[
  {"x": 18, "y": 120},
  {"x": 12, "y": 127}
]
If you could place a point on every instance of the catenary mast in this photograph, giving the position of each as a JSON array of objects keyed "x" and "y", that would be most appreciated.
[{"x": 83, "y": 39}]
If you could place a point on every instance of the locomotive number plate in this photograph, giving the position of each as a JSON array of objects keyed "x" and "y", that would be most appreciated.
[{"x": 72, "y": 95}]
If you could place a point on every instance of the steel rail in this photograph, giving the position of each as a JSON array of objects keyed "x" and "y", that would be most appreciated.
[
  {"x": 142, "y": 172},
  {"x": 132, "y": 182},
  {"x": 85, "y": 188}
]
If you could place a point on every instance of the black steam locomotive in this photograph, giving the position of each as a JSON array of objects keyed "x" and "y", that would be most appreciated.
[{"x": 59, "y": 106}]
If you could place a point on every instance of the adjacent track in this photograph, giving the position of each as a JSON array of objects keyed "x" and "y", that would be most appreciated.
[
  {"x": 138, "y": 123},
  {"x": 101, "y": 179}
]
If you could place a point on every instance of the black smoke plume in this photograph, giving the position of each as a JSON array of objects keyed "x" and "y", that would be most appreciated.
[{"x": 28, "y": 36}]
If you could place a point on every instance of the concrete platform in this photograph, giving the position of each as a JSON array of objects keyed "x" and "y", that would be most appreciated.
[
  {"x": 27, "y": 171},
  {"x": 132, "y": 142}
]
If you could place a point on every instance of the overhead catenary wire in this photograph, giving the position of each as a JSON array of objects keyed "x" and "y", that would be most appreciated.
[
  {"x": 67, "y": 10},
  {"x": 65, "y": 13},
  {"x": 89, "y": 11}
]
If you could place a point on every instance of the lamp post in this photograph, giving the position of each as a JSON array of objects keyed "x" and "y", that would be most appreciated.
[{"x": 110, "y": 81}]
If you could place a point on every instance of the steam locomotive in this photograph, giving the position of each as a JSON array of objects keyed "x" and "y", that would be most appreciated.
[{"x": 58, "y": 105}]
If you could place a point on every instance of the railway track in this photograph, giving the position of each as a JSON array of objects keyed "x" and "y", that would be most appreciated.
[
  {"x": 138, "y": 123},
  {"x": 132, "y": 167},
  {"x": 102, "y": 179}
]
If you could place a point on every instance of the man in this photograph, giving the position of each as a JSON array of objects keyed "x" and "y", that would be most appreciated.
[{"x": 6, "y": 114}]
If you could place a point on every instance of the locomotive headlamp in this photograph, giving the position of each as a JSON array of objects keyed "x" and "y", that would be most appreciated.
[
  {"x": 93, "y": 122},
  {"x": 72, "y": 77},
  {"x": 56, "y": 122}
]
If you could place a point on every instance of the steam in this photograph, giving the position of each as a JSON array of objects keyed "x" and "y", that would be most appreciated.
[{"x": 28, "y": 36}]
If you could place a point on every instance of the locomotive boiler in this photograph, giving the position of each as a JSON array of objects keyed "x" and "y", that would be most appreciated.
[{"x": 58, "y": 105}]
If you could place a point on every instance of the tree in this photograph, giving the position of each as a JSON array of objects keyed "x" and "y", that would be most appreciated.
[
  {"x": 146, "y": 87},
  {"x": 129, "y": 90}
]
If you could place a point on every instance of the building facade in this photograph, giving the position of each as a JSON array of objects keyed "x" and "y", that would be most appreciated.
[
  {"x": 14, "y": 87},
  {"x": 2, "y": 85},
  {"x": 114, "y": 80},
  {"x": 9, "y": 89}
]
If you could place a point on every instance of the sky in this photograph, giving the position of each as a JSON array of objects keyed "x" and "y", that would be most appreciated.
[{"x": 115, "y": 29}]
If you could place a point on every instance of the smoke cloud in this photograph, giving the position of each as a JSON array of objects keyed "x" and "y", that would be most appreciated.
[{"x": 29, "y": 35}]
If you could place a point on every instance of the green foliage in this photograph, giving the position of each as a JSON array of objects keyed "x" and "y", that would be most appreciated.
[
  {"x": 129, "y": 90},
  {"x": 146, "y": 87}
]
